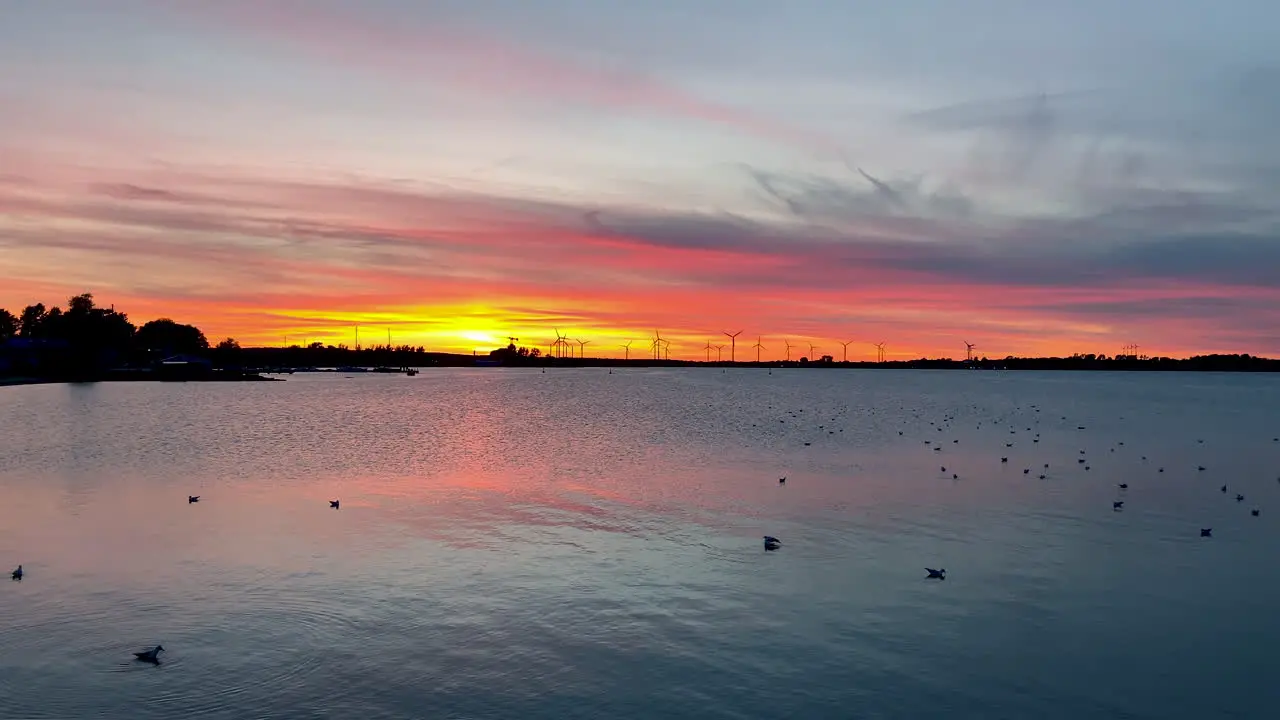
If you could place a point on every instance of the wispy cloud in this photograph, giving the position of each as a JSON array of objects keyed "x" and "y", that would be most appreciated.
[
  {"x": 848, "y": 251},
  {"x": 447, "y": 52}
]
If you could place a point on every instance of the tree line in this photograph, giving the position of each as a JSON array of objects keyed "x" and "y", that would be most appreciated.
[{"x": 85, "y": 337}]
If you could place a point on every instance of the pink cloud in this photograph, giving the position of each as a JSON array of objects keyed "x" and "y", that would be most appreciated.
[
  {"x": 257, "y": 259},
  {"x": 475, "y": 62}
]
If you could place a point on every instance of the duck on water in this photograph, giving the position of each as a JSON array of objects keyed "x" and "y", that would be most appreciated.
[{"x": 151, "y": 656}]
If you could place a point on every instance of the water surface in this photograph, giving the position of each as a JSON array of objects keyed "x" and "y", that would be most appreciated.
[{"x": 579, "y": 544}]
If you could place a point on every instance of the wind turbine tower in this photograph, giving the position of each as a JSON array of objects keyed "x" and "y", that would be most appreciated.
[
  {"x": 733, "y": 345},
  {"x": 758, "y": 346},
  {"x": 788, "y": 342},
  {"x": 879, "y": 352},
  {"x": 626, "y": 347},
  {"x": 708, "y": 349},
  {"x": 718, "y": 349},
  {"x": 968, "y": 351},
  {"x": 845, "y": 356},
  {"x": 813, "y": 349},
  {"x": 582, "y": 348}
]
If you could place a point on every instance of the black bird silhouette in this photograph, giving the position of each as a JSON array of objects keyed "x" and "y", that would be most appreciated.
[
  {"x": 782, "y": 481},
  {"x": 193, "y": 498},
  {"x": 333, "y": 504},
  {"x": 151, "y": 656},
  {"x": 1124, "y": 486},
  {"x": 1201, "y": 468},
  {"x": 771, "y": 542},
  {"x": 944, "y": 468},
  {"x": 1206, "y": 532},
  {"x": 1026, "y": 471},
  {"x": 1004, "y": 460},
  {"x": 937, "y": 574},
  {"x": 1254, "y": 512},
  {"x": 1224, "y": 488},
  {"x": 1239, "y": 497},
  {"x": 1117, "y": 505},
  {"x": 17, "y": 574}
]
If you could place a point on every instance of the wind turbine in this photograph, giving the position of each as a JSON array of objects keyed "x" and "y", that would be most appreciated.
[
  {"x": 845, "y": 356},
  {"x": 812, "y": 349},
  {"x": 656, "y": 345},
  {"x": 733, "y": 344},
  {"x": 627, "y": 348},
  {"x": 708, "y": 349},
  {"x": 968, "y": 350},
  {"x": 582, "y": 347},
  {"x": 758, "y": 348},
  {"x": 666, "y": 349},
  {"x": 561, "y": 343},
  {"x": 718, "y": 349},
  {"x": 788, "y": 342},
  {"x": 879, "y": 352}
]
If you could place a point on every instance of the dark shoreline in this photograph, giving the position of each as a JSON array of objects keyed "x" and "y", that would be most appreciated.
[{"x": 269, "y": 375}]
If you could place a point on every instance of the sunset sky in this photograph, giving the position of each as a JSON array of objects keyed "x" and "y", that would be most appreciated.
[{"x": 1035, "y": 177}]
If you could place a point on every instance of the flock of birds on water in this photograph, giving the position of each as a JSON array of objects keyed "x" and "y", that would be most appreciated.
[
  {"x": 153, "y": 655},
  {"x": 772, "y": 543}
]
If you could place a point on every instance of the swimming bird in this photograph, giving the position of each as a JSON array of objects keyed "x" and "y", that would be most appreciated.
[
  {"x": 771, "y": 542},
  {"x": 1026, "y": 471},
  {"x": 944, "y": 468},
  {"x": 333, "y": 504},
  {"x": 1239, "y": 497},
  {"x": 1124, "y": 486},
  {"x": 938, "y": 574},
  {"x": 1254, "y": 512},
  {"x": 1117, "y": 505},
  {"x": 151, "y": 656},
  {"x": 1206, "y": 532},
  {"x": 1004, "y": 460},
  {"x": 782, "y": 481},
  {"x": 193, "y": 498},
  {"x": 1200, "y": 467},
  {"x": 17, "y": 574},
  {"x": 1224, "y": 488}
]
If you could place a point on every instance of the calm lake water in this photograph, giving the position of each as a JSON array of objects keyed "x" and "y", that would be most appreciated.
[{"x": 578, "y": 544}]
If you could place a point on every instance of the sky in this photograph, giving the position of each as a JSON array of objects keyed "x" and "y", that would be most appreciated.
[{"x": 1035, "y": 177}]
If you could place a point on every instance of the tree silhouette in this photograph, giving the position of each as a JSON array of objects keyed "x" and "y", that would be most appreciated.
[
  {"x": 31, "y": 319},
  {"x": 8, "y": 324},
  {"x": 171, "y": 338}
]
